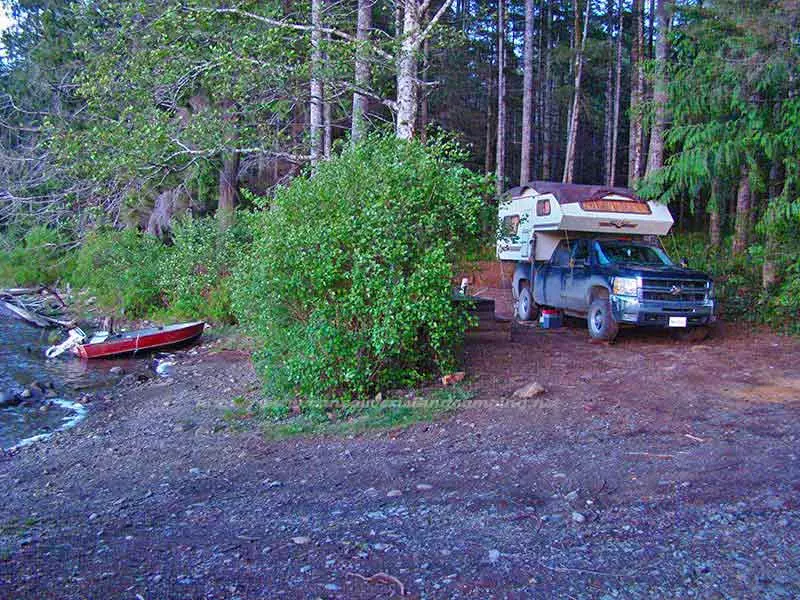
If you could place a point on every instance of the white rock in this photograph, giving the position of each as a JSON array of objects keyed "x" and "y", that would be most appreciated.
[
  {"x": 529, "y": 391},
  {"x": 578, "y": 517},
  {"x": 494, "y": 555},
  {"x": 301, "y": 539}
]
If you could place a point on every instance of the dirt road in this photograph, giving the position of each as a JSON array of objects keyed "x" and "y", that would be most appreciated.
[{"x": 649, "y": 468}]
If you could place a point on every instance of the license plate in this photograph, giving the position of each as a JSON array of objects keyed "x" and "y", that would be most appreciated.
[{"x": 677, "y": 321}]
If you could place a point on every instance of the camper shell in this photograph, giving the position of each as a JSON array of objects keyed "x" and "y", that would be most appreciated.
[{"x": 537, "y": 216}]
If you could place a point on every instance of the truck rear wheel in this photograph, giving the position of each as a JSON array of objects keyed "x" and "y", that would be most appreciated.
[
  {"x": 526, "y": 307},
  {"x": 602, "y": 325}
]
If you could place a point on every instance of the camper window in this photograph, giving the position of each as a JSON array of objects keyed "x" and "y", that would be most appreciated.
[
  {"x": 616, "y": 206},
  {"x": 510, "y": 225},
  {"x": 542, "y": 208}
]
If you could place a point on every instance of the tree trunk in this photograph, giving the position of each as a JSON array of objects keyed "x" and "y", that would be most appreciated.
[
  {"x": 423, "y": 102},
  {"x": 328, "y": 125},
  {"x": 501, "y": 98},
  {"x": 316, "y": 109},
  {"x": 609, "y": 106},
  {"x": 655, "y": 157},
  {"x": 228, "y": 189},
  {"x": 547, "y": 143},
  {"x": 488, "y": 165},
  {"x": 406, "y": 89},
  {"x": 612, "y": 173},
  {"x": 637, "y": 95},
  {"x": 362, "y": 71},
  {"x": 714, "y": 217},
  {"x": 742, "y": 214},
  {"x": 527, "y": 97},
  {"x": 769, "y": 270},
  {"x": 572, "y": 130}
]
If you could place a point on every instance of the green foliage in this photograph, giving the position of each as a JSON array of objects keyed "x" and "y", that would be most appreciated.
[
  {"x": 738, "y": 280},
  {"x": 121, "y": 268},
  {"x": 391, "y": 413},
  {"x": 196, "y": 272},
  {"x": 347, "y": 286},
  {"x": 36, "y": 257}
]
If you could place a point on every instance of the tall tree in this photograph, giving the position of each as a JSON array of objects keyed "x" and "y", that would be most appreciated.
[
  {"x": 547, "y": 98},
  {"x": 608, "y": 112},
  {"x": 636, "y": 141},
  {"x": 527, "y": 96},
  {"x": 500, "y": 162},
  {"x": 655, "y": 156},
  {"x": 362, "y": 70},
  {"x": 612, "y": 161},
  {"x": 415, "y": 30},
  {"x": 316, "y": 99},
  {"x": 572, "y": 130}
]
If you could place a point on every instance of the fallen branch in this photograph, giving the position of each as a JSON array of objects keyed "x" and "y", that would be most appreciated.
[
  {"x": 651, "y": 454},
  {"x": 383, "y": 578}
]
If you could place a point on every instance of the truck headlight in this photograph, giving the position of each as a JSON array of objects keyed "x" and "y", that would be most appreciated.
[
  {"x": 711, "y": 293},
  {"x": 626, "y": 286}
]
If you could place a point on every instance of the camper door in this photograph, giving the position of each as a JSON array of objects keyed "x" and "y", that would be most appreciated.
[{"x": 525, "y": 232}]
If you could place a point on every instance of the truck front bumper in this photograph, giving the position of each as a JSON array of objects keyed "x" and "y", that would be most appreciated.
[{"x": 631, "y": 310}]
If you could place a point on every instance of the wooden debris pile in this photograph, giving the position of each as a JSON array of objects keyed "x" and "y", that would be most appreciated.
[{"x": 42, "y": 307}]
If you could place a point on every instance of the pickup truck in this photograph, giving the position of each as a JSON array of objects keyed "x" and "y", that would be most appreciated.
[{"x": 617, "y": 281}]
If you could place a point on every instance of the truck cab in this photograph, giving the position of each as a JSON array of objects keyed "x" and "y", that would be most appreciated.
[{"x": 613, "y": 281}]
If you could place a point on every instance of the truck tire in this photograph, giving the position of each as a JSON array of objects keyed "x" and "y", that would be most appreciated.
[
  {"x": 602, "y": 325},
  {"x": 526, "y": 308}
]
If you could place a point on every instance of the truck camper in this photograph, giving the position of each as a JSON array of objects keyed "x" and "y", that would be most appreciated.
[{"x": 594, "y": 252}]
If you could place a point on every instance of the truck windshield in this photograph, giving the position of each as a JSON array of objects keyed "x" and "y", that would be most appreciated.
[{"x": 618, "y": 252}]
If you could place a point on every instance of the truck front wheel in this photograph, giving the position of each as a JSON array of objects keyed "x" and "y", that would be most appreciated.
[
  {"x": 526, "y": 308},
  {"x": 602, "y": 325}
]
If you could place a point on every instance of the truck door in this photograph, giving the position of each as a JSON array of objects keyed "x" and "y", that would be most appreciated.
[
  {"x": 576, "y": 279},
  {"x": 556, "y": 271}
]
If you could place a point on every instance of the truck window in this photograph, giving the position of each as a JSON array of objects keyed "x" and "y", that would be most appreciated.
[
  {"x": 561, "y": 254},
  {"x": 620, "y": 252},
  {"x": 580, "y": 251}
]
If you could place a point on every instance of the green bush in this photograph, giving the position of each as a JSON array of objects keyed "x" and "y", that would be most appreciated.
[
  {"x": 37, "y": 257},
  {"x": 195, "y": 273},
  {"x": 347, "y": 286},
  {"x": 121, "y": 269}
]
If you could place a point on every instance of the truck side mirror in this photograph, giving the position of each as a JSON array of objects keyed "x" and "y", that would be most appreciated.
[{"x": 684, "y": 263}]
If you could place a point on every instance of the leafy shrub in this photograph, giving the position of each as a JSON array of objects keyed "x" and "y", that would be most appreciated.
[
  {"x": 738, "y": 280},
  {"x": 121, "y": 269},
  {"x": 37, "y": 257},
  {"x": 347, "y": 286},
  {"x": 195, "y": 274}
]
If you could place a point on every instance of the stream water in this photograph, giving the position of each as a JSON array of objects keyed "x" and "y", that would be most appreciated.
[{"x": 66, "y": 379}]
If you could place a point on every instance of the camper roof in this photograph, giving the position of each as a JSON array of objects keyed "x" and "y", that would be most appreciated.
[{"x": 570, "y": 193}]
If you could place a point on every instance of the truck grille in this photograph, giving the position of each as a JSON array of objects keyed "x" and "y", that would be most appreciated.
[{"x": 674, "y": 290}]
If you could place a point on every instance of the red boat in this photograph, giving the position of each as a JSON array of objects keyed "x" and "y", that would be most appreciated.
[{"x": 130, "y": 342}]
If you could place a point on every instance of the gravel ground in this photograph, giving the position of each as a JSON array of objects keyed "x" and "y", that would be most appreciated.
[{"x": 648, "y": 468}]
